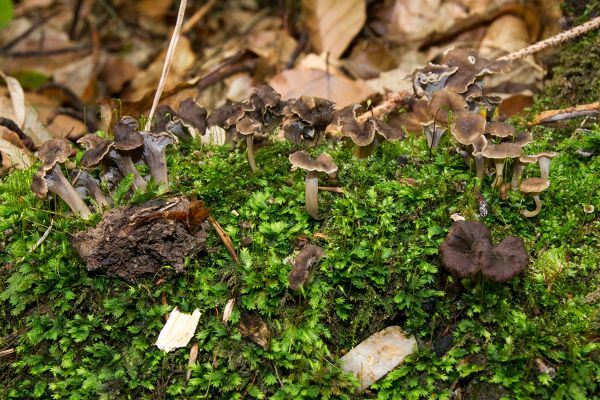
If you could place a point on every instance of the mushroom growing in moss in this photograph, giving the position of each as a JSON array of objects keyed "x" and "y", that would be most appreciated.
[
  {"x": 468, "y": 251},
  {"x": 155, "y": 145},
  {"x": 308, "y": 256},
  {"x": 534, "y": 186},
  {"x": 50, "y": 178},
  {"x": 91, "y": 186},
  {"x": 323, "y": 163},
  {"x": 499, "y": 153},
  {"x": 248, "y": 127}
]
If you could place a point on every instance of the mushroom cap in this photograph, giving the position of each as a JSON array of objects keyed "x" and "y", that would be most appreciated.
[
  {"x": 308, "y": 256},
  {"x": 163, "y": 115},
  {"x": 479, "y": 145},
  {"x": 500, "y": 129},
  {"x": 528, "y": 159},
  {"x": 248, "y": 126},
  {"x": 323, "y": 163},
  {"x": 431, "y": 78},
  {"x": 546, "y": 154},
  {"x": 443, "y": 101},
  {"x": 388, "y": 132},
  {"x": 502, "y": 150},
  {"x": 38, "y": 183},
  {"x": 97, "y": 149},
  {"x": 506, "y": 260},
  {"x": 126, "y": 134},
  {"x": 470, "y": 68},
  {"x": 534, "y": 185},
  {"x": 467, "y": 127},
  {"x": 295, "y": 130},
  {"x": 315, "y": 111},
  {"x": 523, "y": 139},
  {"x": 54, "y": 151},
  {"x": 226, "y": 116},
  {"x": 193, "y": 114},
  {"x": 467, "y": 243},
  {"x": 268, "y": 96},
  {"x": 158, "y": 139}
]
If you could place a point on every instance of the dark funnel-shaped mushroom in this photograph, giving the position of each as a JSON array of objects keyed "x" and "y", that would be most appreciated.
[
  {"x": 467, "y": 243},
  {"x": 85, "y": 180},
  {"x": 506, "y": 260},
  {"x": 50, "y": 178},
  {"x": 155, "y": 145},
  {"x": 323, "y": 163},
  {"x": 309, "y": 255}
]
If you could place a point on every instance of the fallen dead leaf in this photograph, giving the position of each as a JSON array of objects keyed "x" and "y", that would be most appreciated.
[
  {"x": 13, "y": 156},
  {"x": 332, "y": 24},
  {"x": 294, "y": 83},
  {"x": 17, "y": 98},
  {"x": 225, "y": 239},
  {"x": 254, "y": 328}
]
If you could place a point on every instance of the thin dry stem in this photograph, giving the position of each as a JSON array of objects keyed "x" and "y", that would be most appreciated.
[{"x": 167, "y": 64}]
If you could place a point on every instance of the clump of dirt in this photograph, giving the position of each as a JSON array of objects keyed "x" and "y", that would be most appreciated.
[{"x": 133, "y": 241}]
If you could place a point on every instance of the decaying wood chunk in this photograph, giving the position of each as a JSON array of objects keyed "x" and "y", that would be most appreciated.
[
  {"x": 131, "y": 241},
  {"x": 178, "y": 331}
]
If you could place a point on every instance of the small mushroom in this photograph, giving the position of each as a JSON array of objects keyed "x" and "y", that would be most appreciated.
[
  {"x": 470, "y": 66},
  {"x": 467, "y": 243},
  {"x": 50, "y": 178},
  {"x": 506, "y": 260},
  {"x": 163, "y": 115},
  {"x": 519, "y": 168},
  {"x": 467, "y": 127},
  {"x": 248, "y": 127},
  {"x": 499, "y": 153},
  {"x": 500, "y": 129},
  {"x": 98, "y": 149},
  {"x": 155, "y": 145},
  {"x": 523, "y": 139},
  {"x": 478, "y": 147},
  {"x": 323, "y": 163},
  {"x": 193, "y": 117},
  {"x": 442, "y": 102},
  {"x": 308, "y": 256},
  {"x": 85, "y": 180},
  {"x": 544, "y": 161},
  {"x": 534, "y": 186}
]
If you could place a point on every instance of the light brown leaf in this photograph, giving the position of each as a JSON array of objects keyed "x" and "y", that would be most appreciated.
[
  {"x": 13, "y": 156},
  {"x": 17, "y": 98},
  {"x": 314, "y": 82},
  {"x": 332, "y": 24}
]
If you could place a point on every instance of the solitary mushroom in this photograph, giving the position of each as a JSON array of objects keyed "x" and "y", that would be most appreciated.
[
  {"x": 323, "y": 163},
  {"x": 308, "y": 256},
  {"x": 248, "y": 127},
  {"x": 50, "y": 178},
  {"x": 534, "y": 186},
  {"x": 467, "y": 128}
]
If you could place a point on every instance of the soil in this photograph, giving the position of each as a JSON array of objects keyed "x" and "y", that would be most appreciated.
[{"x": 138, "y": 240}]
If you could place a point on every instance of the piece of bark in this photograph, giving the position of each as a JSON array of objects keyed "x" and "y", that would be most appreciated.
[{"x": 178, "y": 331}]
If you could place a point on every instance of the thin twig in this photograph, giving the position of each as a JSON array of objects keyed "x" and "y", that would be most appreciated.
[
  {"x": 333, "y": 189},
  {"x": 167, "y": 64},
  {"x": 553, "y": 41},
  {"x": 7, "y": 352},
  {"x": 49, "y": 52},
  {"x": 76, "y": 12},
  {"x": 44, "y": 236},
  {"x": 198, "y": 15},
  {"x": 217, "y": 76},
  {"x": 581, "y": 110}
]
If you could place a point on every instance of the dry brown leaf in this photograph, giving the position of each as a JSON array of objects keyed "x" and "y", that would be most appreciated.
[
  {"x": 333, "y": 24},
  {"x": 153, "y": 8},
  {"x": 17, "y": 98},
  {"x": 225, "y": 239},
  {"x": 116, "y": 72},
  {"x": 13, "y": 156},
  {"x": 67, "y": 127},
  {"x": 294, "y": 83},
  {"x": 192, "y": 360},
  {"x": 368, "y": 59},
  {"x": 320, "y": 61},
  {"x": 275, "y": 46},
  {"x": 146, "y": 81},
  {"x": 77, "y": 75}
]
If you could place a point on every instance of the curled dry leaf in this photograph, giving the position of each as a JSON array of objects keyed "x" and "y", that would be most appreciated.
[
  {"x": 332, "y": 24},
  {"x": 17, "y": 97},
  {"x": 228, "y": 309}
]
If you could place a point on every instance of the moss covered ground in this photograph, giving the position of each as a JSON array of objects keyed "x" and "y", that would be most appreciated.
[{"x": 82, "y": 336}]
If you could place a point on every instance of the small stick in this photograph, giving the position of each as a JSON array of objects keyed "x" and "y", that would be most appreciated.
[
  {"x": 566, "y": 113},
  {"x": 225, "y": 239},
  {"x": 553, "y": 41},
  {"x": 7, "y": 352},
  {"x": 198, "y": 15},
  {"x": 167, "y": 64},
  {"x": 333, "y": 189}
]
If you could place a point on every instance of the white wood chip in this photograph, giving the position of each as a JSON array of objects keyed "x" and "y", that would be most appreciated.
[{"x": 178, "y": 331}]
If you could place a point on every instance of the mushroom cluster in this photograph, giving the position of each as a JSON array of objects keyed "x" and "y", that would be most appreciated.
[
  {"x": 449, "y": 97},
  {"x": 468, "y": 251}
]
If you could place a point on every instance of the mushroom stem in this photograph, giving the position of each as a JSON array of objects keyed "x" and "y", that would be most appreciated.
[
  {"x": 157, "y": 164},
  {"x": 517, "y": 173},
  {"x": 59, "y": 185},
  {"x": 499, "y": 170},
  {"x": 364, "y": 151},
  {"x": 544, "y": 167},
  {"x": 465, "y": 155},
  {"x": 479, "y": 165},
  {"x": 250, "y": 149},
  {"x": 437, "y": 136},
  {"x": 311, "y": 195},
  {"x": 536, "y": 211},
  {"x": 126, "y": 166}
]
